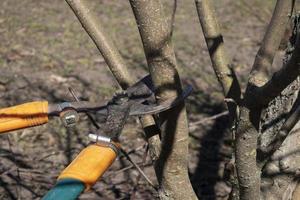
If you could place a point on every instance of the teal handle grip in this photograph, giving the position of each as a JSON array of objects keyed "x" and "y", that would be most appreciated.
[{"x": 65, "y": 189}]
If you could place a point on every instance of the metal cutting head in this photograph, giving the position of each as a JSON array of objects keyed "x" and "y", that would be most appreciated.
[{"x": 137, "y": 100}]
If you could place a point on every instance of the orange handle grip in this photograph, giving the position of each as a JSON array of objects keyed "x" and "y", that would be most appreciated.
[
  {"x": 24, "y": 115},
  {"x": 90, "y": 164}
]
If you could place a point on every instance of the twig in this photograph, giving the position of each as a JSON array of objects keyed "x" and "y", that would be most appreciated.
[
  {"x": 126, "y": 168},
  {"x": 47, "y": 156},
  {"x": 11, "y": 168},
  {"x": 202, "y": 121},
  {"x": 91, "y": 118},
  {"x": 138, "y": 168},
  {"x": 172, "y": 22},
  {"x": 134, "y": 189}
]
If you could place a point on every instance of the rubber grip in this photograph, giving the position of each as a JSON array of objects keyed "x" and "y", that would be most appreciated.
[
  {"x": 23, "y": 116},
  {"x": 65, "y": 189},
  {"x": 90, "y": 164}
]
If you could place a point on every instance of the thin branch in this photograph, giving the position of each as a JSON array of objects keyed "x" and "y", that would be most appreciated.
[
  {"x": 220, "y": 61},
  {"x": 91, "y": 118},
  {"x": 216, "y": 48},
  {"x": 115, "y": 173},
  {"x": 172, "y": 21},
  {"x": 152, "y": 133},
  {"x": 138, "y": 168},
  {"x": 135, "y": 187},
  {"x": 193, "y": 125},
  {"x": 103, "y": 42},
  {"x": 171, "y": 167}
]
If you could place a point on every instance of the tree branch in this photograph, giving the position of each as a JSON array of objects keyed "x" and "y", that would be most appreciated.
[
  {"x": 215, "y": 45},
  {"x": 115, "y": 63},
  {"x": 270, "y": 44},
  {"x": 171, "y": 167},
  {"x": 219, "y": 58},
  {"x": 280, "y": 79},
  {"x": 104, "y": 43},
  {"x": 172, "y": 20}
]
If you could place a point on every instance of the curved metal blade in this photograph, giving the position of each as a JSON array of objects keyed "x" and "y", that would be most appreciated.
[
  {"x": 142, "y": 109},
  {"x": 138, "y": 108}
]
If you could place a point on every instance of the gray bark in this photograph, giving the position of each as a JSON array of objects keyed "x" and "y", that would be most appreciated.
[
  {"x": 172, "y": 165},
  {"x": 279, "y": 176}
]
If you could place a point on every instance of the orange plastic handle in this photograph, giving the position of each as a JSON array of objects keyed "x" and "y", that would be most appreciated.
[
  {"x": 24, "y": 115},
  {"x": 90, "y": 164}
]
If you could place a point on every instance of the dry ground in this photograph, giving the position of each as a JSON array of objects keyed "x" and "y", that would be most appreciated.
[{"x": 44, "y": 50}]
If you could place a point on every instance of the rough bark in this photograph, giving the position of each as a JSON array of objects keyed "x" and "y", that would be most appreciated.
[
  {"x": 281, "y": 172},
  {"x": 245, "y": 154},
  {"x": 281, "y": 79},
  {"x": 171, "y": 167},
  {"x": 252, "y": 105},
  {"x": 115, "y": 63},
  {"x": 277, "y": 121}
]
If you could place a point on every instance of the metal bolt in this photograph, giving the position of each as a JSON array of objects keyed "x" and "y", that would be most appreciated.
[{"x": 69, "y": 118}]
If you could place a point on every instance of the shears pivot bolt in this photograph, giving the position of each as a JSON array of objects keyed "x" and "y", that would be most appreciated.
[{"x": 69, "y": 118}]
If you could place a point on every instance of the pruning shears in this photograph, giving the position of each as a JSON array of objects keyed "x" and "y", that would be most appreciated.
[
  {"x": 138, "y": 100},
  {"x": 96, "y": 158}
]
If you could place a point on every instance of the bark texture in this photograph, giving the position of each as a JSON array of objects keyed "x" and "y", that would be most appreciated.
[
  {"x": 253, "y": 104},
  {"x": 280, "y": 173},
  {"x": 171, "y": 166},
  {"x": 245, "y": 154}
]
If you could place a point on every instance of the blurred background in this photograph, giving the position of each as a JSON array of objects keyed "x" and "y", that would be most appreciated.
[{"x": 44, "y": 50}]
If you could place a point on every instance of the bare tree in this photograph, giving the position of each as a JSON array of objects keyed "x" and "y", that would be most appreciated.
[
  {"x": 262, "y": 117},
  {"x": 264, "y": 100}
]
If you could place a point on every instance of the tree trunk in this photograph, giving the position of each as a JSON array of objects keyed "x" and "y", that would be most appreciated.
[
  {"x": 279, "y": 176},
  {"x": 172, "y": 165}
]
